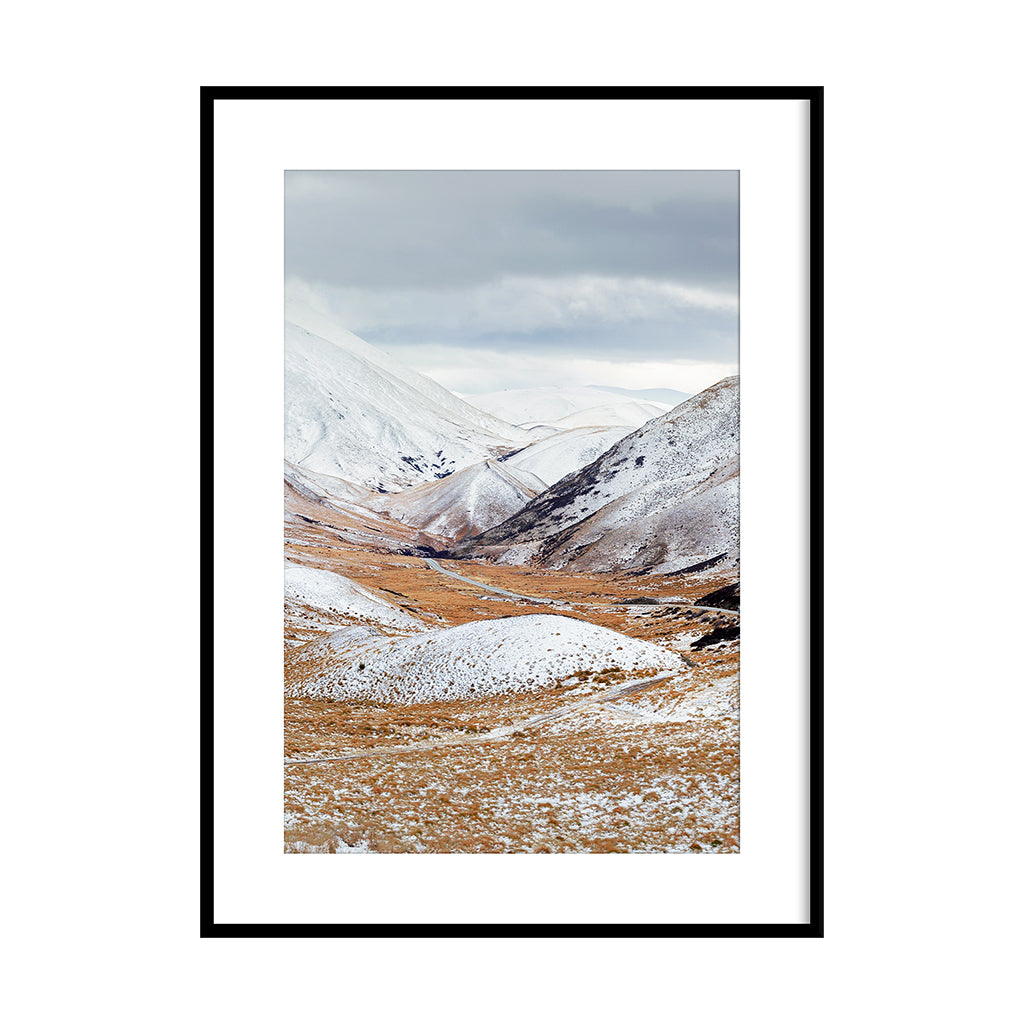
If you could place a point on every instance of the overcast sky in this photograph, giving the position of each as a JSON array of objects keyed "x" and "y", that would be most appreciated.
[{"x": 487, "y": 280}]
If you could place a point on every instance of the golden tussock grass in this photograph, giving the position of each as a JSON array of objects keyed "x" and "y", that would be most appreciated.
[{"x": 600, "y": 779}]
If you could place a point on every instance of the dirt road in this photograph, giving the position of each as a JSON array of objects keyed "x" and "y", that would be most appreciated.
[
  {"x": 570, "y": 604},
  {"x": 485, "y": 586}
]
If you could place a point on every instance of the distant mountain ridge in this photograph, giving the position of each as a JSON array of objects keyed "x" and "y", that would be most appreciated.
[
  {"x": 364, "y": 432},
  {"x": 665, "y": 396},
  {"x": 566, "y": 407}
]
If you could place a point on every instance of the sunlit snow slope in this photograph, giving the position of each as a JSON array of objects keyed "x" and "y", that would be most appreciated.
[
  {"x": 663, "y": 498},
  {"x": 565, "y": 452},
  {"x": 354, "y": 413},
  {"x": 320, "y": 599}
]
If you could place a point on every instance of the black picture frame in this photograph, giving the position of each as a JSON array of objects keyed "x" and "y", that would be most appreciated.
[{"x": 814, "y": 926}]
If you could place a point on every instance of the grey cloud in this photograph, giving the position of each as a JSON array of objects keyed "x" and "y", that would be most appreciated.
[{"x": 445, "y": 229}]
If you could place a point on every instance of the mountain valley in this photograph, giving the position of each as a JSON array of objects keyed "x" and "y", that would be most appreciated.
[{"x": 495, "y": 634}]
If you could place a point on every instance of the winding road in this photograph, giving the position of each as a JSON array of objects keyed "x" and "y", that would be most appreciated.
[
  {"x": 544, "y": 600},
  {"x": 486, "y": 586}
]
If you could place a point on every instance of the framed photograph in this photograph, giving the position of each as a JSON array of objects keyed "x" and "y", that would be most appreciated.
[{"x": 543, "y": 371}]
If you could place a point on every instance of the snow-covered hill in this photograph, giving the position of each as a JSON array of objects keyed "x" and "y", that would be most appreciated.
[
  {"x": 565, "y": 452},
  {"x": 669, "y": 397},
  {"x": 318, "y": 599},
  {"x": 467, "y": 502},
  {"x": 568, "y": 407},
  {"x": 517, "y": 654},
  {"x": 353, "y": 412},
  {"x": 663, "y": 498}
]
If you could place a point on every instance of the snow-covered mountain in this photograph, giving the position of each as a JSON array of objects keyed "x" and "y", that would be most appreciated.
[
  {"x": 661, "y": 499},
  {"x": 569, "y": 407},
  {"x": 467, "y": 502},
  {"x": 370, "y": 443},
  {"x": 565, "y": 452},
  {"x": 353, "y": 412}
]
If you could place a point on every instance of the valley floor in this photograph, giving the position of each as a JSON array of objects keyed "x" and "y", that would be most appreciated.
[{"x": 607, "y": 762}]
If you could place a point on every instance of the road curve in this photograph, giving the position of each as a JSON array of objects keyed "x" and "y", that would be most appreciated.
[
  {"x": 493, "y": 590},
  {"x": 711, "y": 608}
]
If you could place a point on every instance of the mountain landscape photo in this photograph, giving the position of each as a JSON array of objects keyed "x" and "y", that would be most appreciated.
[{"x": 511, "y": 513}]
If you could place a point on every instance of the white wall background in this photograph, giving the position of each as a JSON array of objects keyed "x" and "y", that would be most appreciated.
[{"x": 101, "y": 225}]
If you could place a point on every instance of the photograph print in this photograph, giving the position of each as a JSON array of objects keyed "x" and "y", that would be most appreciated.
[{"x": 511, "y": 512}]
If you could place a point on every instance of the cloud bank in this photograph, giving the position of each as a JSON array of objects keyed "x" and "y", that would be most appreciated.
[{"x": 614, "y": 269}]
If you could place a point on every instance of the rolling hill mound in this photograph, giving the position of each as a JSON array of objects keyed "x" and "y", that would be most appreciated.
[
  {"x": 467, "y": 502},
  {"x": 517, "y": 654}
]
